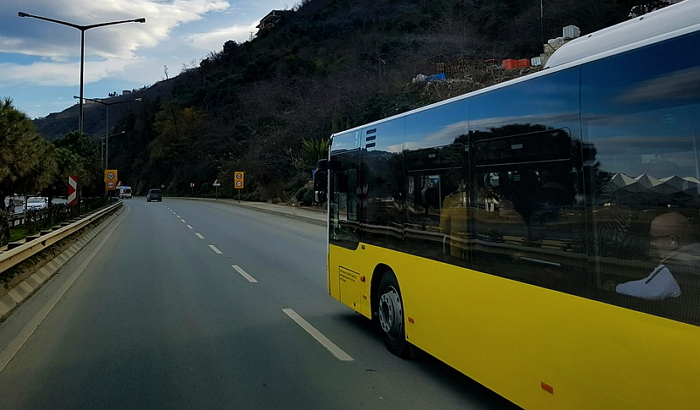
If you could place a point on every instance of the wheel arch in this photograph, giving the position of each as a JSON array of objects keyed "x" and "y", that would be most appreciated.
[{"x": 379, "y": 271}]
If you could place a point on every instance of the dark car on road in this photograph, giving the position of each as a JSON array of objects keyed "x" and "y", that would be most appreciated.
[{"x": 154, "y": 195}]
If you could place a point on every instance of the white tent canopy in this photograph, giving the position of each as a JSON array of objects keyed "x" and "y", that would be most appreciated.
[{"x": 648, "y": 184}]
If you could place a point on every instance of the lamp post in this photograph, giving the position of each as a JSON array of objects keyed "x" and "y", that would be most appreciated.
[
  {"x": 106, "y": 137},
  {"x": 83, "y": 29},
  {"x": 104, "y": 141}
]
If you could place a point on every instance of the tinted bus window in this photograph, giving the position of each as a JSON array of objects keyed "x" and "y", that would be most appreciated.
[
  {"x": 527, "y": 216},
  {"x": 436, "y": 157},
  {"x": 644, "y": 129},
  {"x": 380, "y": 192}
]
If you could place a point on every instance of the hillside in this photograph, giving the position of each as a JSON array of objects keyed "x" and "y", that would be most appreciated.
[{"x": 324, "y": 67}]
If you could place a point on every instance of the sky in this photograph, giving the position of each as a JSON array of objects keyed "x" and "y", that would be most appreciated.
[{"x": 40, "y": 60}]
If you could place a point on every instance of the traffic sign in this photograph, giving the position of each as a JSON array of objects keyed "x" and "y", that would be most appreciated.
[
  {"x": 111, "y": 178},
  {"x": 216, "y": 183},
  {"x": 72, "y": 190},
  {"x": 239, "y": 179},
  {"x": 191, "y": 184},
  {"x": 111, "y": 175}
]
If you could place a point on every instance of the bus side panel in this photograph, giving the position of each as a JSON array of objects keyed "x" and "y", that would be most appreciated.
[
  {"x": 513, "y": 337},
  {"x": 344, "y": 273}
]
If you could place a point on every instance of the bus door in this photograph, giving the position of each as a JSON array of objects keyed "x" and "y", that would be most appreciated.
[{"x": 343, "y": 192}]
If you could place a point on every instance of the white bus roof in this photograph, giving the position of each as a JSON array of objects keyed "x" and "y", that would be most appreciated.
[{"x": 633, "y": 33}]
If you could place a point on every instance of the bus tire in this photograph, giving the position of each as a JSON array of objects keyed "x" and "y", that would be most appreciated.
[{"x": 390, "y": 315}]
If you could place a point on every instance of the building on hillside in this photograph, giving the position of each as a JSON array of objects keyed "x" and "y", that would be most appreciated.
[{"x": 272, "y": 18}]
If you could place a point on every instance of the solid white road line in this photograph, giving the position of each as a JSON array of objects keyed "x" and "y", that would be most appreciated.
[
  {"x": 244, "y": 273},
  {"x": 199, "y": 235},
  {"x": 215, "y": 249},
  {"x": 325, "y": 342}
]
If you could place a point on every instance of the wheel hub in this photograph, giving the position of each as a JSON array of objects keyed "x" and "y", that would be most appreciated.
[{"x": 390, "y": 313}]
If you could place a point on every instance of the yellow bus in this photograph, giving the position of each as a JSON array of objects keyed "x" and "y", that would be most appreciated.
[{"x": 539, "y": 236}]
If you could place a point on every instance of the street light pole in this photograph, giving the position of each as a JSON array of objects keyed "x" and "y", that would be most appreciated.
[
  {"x": 83, "y": 29},
  {"x": 104, "y": 141},
  {"x": 106, "y": 137}
]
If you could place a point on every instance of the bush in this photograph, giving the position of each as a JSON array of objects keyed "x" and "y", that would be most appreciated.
[{"x": 305, "y": 196}]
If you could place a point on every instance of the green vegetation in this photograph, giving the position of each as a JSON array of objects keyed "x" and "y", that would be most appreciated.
[{"x": 30, "y": 165}]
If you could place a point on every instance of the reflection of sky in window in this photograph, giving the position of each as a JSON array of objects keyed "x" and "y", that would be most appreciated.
[
  {"x": 345, "y": 141},
  {"x": 638, "y": 126},
  {"x": 658, "y": 156},
  {"x": 552, "y": 120},
  {"x": 550, "y": 100},
  {"x": 389, "y": 136},
  {"x": 643, "y": 144},
  {"x": 677, "y": 85},
  {"x": 660, "y": 125},
  {"x": 646, "y": 100},
  {"x": 653, "y": 75},
  {"x": 437, "y": 127}
]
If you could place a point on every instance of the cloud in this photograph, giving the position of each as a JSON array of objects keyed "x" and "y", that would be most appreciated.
[
  {"x": 50, "y": 40},
  {"x": 671, "y": 86},
  {"x": 109, "y": 49},
  {"x": 40, "y": 60},
  {"x": 214, "y": 40}
]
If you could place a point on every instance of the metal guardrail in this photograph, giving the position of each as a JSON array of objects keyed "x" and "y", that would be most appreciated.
[{"x": 25, "y": 251}]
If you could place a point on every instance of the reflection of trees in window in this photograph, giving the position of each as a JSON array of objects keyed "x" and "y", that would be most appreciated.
[
  {"x": 381, "y": 198},
  {"x": 537, "y": 167},
  {"x": 599, "y": 179},
  {"x": 426, "y": 162},
  {"x": 447, "y": 156}
]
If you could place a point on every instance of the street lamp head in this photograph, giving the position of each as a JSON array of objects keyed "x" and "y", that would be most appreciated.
[{"x": 82, "y": 29}]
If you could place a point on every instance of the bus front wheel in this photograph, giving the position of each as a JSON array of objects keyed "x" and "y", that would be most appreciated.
[{"x": 390, "y": 314}]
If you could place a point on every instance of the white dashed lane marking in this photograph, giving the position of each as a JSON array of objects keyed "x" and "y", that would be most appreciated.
[
  {"x": 325, "y": 342},
  {"x": 244, "y": 273}
]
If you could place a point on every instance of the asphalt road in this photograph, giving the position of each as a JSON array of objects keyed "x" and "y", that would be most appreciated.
[{"x": 203, "y": 305}]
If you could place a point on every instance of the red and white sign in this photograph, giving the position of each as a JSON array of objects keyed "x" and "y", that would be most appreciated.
[{"x": 72, "y": 190}]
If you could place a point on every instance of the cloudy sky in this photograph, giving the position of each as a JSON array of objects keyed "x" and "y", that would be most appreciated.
[{"x": 40, "y": 60}]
